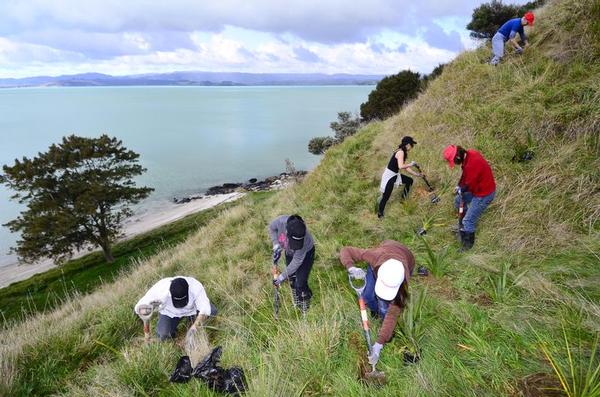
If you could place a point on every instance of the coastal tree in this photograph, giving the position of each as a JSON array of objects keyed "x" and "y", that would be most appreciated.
[
  {"x": 345, "y": 126},
  {"x": 435, "y": 73},
  {"x": 390, "y": 94},
  {"x": 77, "y": 195}
]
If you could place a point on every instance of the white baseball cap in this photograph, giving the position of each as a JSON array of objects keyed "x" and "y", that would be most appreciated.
[{"x": 390, "y": 277}]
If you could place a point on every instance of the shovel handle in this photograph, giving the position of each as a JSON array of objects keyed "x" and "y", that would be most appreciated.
[
  {"x": 275, "y": 274},
  {"x": 147, "y": 330},
  {"x": 365, "y": 322}
]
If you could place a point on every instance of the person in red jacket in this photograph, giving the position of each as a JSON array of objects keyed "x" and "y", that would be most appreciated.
[{"x": 476, "y": 189}]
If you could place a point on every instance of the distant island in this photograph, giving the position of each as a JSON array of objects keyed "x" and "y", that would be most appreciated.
[{"x": 192, "y": 79}]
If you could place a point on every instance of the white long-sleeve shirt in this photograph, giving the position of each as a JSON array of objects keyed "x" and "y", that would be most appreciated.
[{"x": 160, "y": 292}]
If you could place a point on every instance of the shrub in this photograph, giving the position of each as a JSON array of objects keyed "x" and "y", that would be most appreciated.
[
  {"x": 319, "y": 144},
  {"x": 390, "y": 95},
  {"x": 345, "y": 126}
]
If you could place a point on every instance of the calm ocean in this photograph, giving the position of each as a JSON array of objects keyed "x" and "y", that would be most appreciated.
[{"x": 189, "y": 138}]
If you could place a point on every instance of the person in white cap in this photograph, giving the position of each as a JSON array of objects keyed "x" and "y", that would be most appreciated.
[
  {"x": 175, "y": 298},
  {"x": 390, "y": 266}
]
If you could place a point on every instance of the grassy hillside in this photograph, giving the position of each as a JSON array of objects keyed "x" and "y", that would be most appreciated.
[
  {"x": 45, "y": 291},
  {"x": 480, "y": 328}
]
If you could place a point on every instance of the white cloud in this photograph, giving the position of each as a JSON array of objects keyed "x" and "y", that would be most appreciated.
[{"x": 137, "y": 36}]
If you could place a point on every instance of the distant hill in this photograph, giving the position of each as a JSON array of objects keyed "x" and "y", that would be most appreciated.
[{"x": 192, "y": 79}]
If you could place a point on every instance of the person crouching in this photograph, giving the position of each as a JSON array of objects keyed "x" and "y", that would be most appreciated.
[{"x": 176, "y": 298}]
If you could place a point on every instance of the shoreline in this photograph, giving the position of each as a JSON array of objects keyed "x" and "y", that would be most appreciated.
[{"x": 133, "y": 226}]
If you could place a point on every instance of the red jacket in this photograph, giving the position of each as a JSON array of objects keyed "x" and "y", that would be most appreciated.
[{"x": 477, "y": 176}]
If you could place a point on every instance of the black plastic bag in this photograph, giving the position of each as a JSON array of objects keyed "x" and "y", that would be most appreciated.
[
  {"x": 183, "y": 371},
  {"x": 235, "y": 381},
  {"x": 229, "y": 381}
]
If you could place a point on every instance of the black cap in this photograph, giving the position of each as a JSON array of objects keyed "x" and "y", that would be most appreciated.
[
  {"x": 296, "y": 230},
  {"x": 408, "y": 139},
  {"x": 179, "y": 292}
]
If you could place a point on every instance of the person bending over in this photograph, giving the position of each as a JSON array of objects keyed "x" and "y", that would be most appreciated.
[
  {"x": 289, "y": 234},
  {"x": 175, "y": 298},
  {"x": 476, "y": 189},
  {"x": 389, "y": 267},
  {"x": 508, "y": 33}
]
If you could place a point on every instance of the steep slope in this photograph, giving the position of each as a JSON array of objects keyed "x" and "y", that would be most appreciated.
[{"x": 477, "y": 339}]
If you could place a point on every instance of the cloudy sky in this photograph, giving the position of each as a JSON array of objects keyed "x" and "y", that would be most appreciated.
[{"x": 52, "y": 37}]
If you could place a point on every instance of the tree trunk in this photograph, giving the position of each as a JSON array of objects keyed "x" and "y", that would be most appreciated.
[{"x": 107, "y": 251}]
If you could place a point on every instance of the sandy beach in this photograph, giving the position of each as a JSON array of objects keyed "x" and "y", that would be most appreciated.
[{"x": 133, "y": 226}]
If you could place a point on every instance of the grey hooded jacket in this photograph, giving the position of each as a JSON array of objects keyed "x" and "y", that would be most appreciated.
[{"x": 278, "y": 234}]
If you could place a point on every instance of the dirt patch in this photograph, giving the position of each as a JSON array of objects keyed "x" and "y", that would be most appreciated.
[
  {"x": 421, "y": 192},
  {"x": 482, "y": 299},
  {"x": 539, "y": 385}
]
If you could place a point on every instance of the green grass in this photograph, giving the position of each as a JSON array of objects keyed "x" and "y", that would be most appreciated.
[{"x": 481, "y": 338}]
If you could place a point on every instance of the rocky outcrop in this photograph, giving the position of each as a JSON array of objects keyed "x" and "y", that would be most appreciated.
[{"x": 252, "y": 185}]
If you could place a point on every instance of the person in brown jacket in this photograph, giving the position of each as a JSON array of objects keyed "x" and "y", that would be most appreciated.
[{"x": 390, "y": 266}]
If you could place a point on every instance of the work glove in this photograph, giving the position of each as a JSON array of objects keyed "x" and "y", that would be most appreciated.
[
  {"x": 458, "y": 190},
  {"x": 375, "y": 351},
  {"x": 276, "y": 253},
  {"x": 519, "y": 50},
  {"x": 412, "y": 163},
  {"x": 357, "y": 273},
  {"x": 277, "y": 281}
]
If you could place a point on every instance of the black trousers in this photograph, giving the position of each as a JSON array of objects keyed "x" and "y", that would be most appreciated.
[
  {"x": 407, "y": 182},
  {"x": 299, "y": 280}
]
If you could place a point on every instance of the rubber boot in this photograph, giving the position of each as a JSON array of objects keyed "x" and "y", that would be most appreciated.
[
  {"x": 467, "y": 240},
  {"x": 471, "y": 237}
]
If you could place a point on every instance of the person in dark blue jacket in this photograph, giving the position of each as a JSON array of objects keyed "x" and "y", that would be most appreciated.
[{"x": 508, "y": 32}]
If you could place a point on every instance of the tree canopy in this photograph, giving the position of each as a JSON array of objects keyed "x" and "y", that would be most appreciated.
[
  {"x": 77, "y": 195},
  {"x": 390, "y": 94},
  {"x": 345, "y": 126}
]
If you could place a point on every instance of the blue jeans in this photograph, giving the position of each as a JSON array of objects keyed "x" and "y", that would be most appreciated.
[
  {"x": 474, "y": 207},
  {"x": 167, "y": 326},
  {"x": 376, "y": 305}
]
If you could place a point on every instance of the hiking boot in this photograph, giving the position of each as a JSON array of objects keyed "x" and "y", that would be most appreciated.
[
  {"x": 380, "y": 215},
  {"x": 467, "y": 240}
]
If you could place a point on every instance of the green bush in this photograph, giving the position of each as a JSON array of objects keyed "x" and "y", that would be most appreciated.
[
  {"x": 345, "y": 126},
  {"x": 390, "y": 95}
]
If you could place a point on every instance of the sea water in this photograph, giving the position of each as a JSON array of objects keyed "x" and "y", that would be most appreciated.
[{"x": 188, "y": 138}]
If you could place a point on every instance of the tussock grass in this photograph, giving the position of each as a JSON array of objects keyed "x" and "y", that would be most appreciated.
[{"x": 544, "y": 222}]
